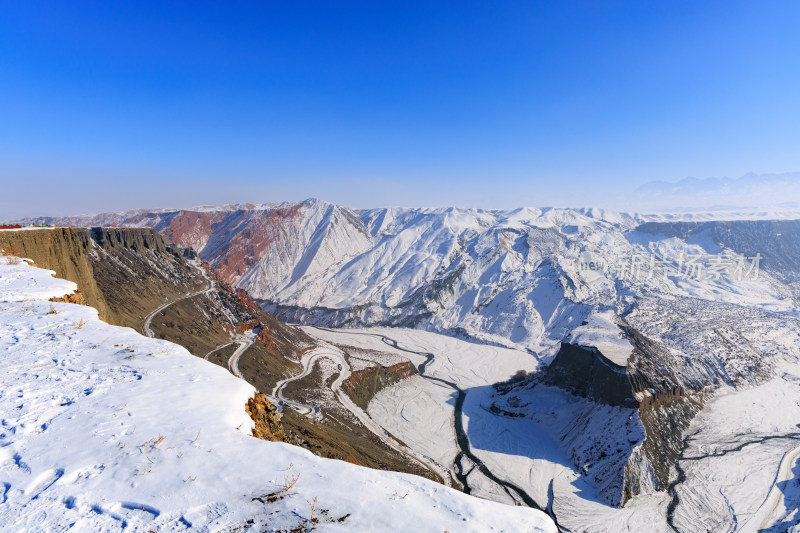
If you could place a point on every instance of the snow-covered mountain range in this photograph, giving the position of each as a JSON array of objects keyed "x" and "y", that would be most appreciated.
[
  {"x": 516, "y": 278},
  {"x": 749, "y": 191}
]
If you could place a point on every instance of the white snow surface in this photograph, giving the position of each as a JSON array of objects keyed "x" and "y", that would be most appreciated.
[
  {"x": 467, "y": 364},
  {"x": 601, "y": 331},
  {"x": 522, "y": 450},
  {"x": 742, "y": 463},
  {"x": 104, "y": 429}
]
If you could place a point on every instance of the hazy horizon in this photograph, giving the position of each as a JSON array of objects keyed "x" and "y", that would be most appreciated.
[
  {"x": 711, "y": 194},
  {"x": 111, "y": 107}
]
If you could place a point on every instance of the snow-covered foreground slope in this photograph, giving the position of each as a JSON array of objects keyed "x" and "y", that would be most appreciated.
[{"x": 104, "y": 430}]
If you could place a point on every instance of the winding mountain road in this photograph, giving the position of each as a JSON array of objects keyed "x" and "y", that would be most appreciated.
[
  {"x": 233, "y": 360},
  {"x": 212, "y": 286},
  {"x": 244, "y": 341},
  {"x": 326, "y": 351},
  {"x": 221, "y": 346}
]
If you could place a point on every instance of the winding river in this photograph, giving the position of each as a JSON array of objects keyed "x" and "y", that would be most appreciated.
[{"x": 465, "y": 453}]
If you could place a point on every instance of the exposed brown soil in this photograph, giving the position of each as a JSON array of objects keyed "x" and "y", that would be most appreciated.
[
  {"x": 263, "y": 368},
  {"x": 194, "y": 323},
  {"x": 220, "y": 357},
  {"x": 74, "y": 298}
]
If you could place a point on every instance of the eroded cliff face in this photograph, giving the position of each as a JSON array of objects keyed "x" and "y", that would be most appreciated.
[
  {"x": 622, "y": 426},
  {"x": 667, "y": 402},
  {"x": 65, "y": 251},
  {"x": 662, "y": 403},
  {"x": 126, "y": 273},
  {"x": 587, "y": 403},
  {"x": 137, "y": 270},
  {"x": 586, "y": 372}
]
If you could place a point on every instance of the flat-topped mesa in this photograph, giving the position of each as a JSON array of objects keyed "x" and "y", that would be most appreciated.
[
  {"x": 585, "y": 371},
  {"x": 624, "y": 383}
]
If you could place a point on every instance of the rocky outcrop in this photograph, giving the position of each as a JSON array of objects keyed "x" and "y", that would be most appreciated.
[
  {"x": 74, "y": 298},
  {"x": 266, "y": 418},
  {"x": 133, "y": 239}
]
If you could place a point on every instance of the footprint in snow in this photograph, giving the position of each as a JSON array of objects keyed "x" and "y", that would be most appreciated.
[{"x": 43, "y": 482}]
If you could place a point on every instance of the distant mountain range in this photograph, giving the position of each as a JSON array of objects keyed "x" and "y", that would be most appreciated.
[
  {"x": 504, "y": 277},
  {"x": 749, "y": 191}
]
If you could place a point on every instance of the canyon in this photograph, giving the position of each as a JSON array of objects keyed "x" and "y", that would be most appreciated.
[{"x": 639, "y": 324}]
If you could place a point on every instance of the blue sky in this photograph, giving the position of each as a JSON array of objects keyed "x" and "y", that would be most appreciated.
[{"x": 114, "y": 105}]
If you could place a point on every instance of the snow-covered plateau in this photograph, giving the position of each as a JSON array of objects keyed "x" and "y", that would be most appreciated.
[{"x": 104, "y": 429}]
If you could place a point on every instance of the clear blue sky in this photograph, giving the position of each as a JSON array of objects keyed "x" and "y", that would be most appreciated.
[{"x": 110, "y": 105}]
